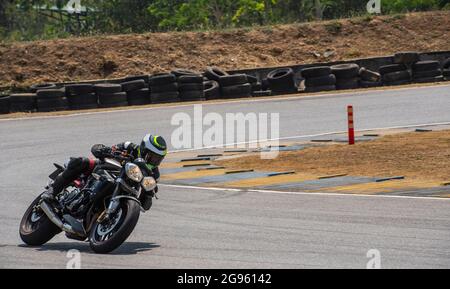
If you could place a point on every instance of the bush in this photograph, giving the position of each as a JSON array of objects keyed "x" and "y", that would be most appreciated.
[{"x": 396, "y": 6}]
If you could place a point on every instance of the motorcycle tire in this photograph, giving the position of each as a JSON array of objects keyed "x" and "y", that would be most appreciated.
[
  {"x": 130, "y": 211},
  {"x": 39, "y": 232}
]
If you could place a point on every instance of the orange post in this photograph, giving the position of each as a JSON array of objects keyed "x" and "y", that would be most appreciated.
[{"x": 351, "y": 126}]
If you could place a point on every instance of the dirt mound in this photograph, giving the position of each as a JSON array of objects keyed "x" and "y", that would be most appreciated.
[{"x": 116, "y": 56}]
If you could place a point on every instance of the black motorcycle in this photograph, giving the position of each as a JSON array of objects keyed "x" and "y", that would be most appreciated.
[{"x": 103, "y": 207}]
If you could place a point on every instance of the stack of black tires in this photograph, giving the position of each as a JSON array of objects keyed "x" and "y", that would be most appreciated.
[
  {"x": 427, "y": 71},
  {"x": 282, "y": 81},
  {"x": 395, "y": 74},
  {"x": 110, "y": 95},
  {"x": 318, "y": 79},
  {"x": 22, "y": 102},
  {"x": 137, "y": 91},
  {"x": 369, "y": 78},
  {"x": 81, "y": 96},
  {"x": 347, "y": 75},
  {"x": 257, "y": 87},
  {"x": 164, "y": 88},
  {"x": 191, "y": 87},
  {"x": 212, "y": 86},
  {"x": 4, "y": 104},
  {"x": 51, "y": 100},
  {"x": 212, "y": 89},
  {"x": 235, "y": 86},
  {"x": 231, "y": 86}
]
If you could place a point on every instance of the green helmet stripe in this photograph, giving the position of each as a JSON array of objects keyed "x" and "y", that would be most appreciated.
[{"x": 155, "y": 140}]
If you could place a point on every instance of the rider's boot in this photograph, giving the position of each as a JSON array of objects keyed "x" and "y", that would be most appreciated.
[
  {"x": 54, "y": 189},
  {"x": 74, "y": 168}
]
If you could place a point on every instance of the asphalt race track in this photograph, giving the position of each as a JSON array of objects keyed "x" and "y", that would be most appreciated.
[{"x": 214, "y": 229}]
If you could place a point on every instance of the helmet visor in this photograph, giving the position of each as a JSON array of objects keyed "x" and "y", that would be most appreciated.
[{"x": 153, "y": 159}]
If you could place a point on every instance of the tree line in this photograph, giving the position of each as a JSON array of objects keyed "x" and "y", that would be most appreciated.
[{"x": 40, "y": 19}]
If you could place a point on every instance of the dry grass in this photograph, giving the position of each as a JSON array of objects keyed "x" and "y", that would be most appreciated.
[{"x": 422, "y": 156}]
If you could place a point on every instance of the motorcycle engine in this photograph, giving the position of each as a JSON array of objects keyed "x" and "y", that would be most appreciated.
[{"x": 75, "y": 201}]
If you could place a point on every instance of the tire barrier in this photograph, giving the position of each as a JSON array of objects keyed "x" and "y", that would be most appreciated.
[
  {"x": 4, "y": 104},
  {"x": 395, "y": 74},
  {"x": 282, "y": 81},
  {"x": 319, "y": 79},
  {"x": 225, "y": 85},
  {"x": 446, "y": 74},
  {"x": 212, "y": 89},
  {"x": 446, "y": 69},
  {"x": 191, "y": 87},
  {"x": 23, "y": 102},
  {"x": 81, "y": 96},
  {"x": 51, "y": 100},
  {"x": 369, "y": 78},
  {"x": 164, "y": 88},
  {"x": 347, "y": 75},
  {"x": 235, "y": 86},
  {"x": 257, "y": 87},
  {"x": 237, "y": 91},
  {"x": 188, "y": 85},
  {"x": 214, "y": 73},
  {"x": 110, "y": 95},
  {"x": 427, "y": 71},
  {"x": 137, "y": 91}
]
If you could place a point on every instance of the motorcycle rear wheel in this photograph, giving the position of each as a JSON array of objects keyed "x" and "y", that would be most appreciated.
[
  {"x": 36, "y": 228},
  {"x": 106, "y": 237}
]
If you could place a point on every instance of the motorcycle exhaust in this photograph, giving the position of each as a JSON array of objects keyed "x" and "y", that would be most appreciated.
[{"x": 56, "y": 220}]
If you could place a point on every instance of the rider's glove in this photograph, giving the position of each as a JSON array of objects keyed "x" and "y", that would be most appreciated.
[{"x": 100, "y": 151}]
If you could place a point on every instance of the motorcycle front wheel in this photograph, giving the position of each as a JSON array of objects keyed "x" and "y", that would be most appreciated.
[
  {"x": 36, "y": 228},
  {"x": 108, "y": 235}
]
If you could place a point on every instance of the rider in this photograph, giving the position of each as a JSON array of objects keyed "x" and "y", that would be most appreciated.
[{"x": 152, "y": 149}]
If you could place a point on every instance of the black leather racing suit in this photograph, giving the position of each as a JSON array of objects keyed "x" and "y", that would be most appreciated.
[{"x": 79, "y": 166}]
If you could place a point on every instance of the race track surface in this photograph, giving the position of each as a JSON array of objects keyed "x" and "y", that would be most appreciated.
[{"x": 211, "y": 229}]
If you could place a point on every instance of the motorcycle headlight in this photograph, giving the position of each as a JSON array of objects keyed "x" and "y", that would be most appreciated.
[
  {"x": 134, "y": 172},
  {"x": 149, "y": 184}
]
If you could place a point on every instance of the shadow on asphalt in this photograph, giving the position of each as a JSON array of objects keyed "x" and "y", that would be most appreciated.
[{"x": 128, "y": 248}]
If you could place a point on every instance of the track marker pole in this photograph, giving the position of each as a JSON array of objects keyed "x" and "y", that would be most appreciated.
[{"x": 351, "y": 126}]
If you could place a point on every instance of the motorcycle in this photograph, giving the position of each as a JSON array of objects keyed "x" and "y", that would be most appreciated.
[{"x": 102, "y": 208}]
